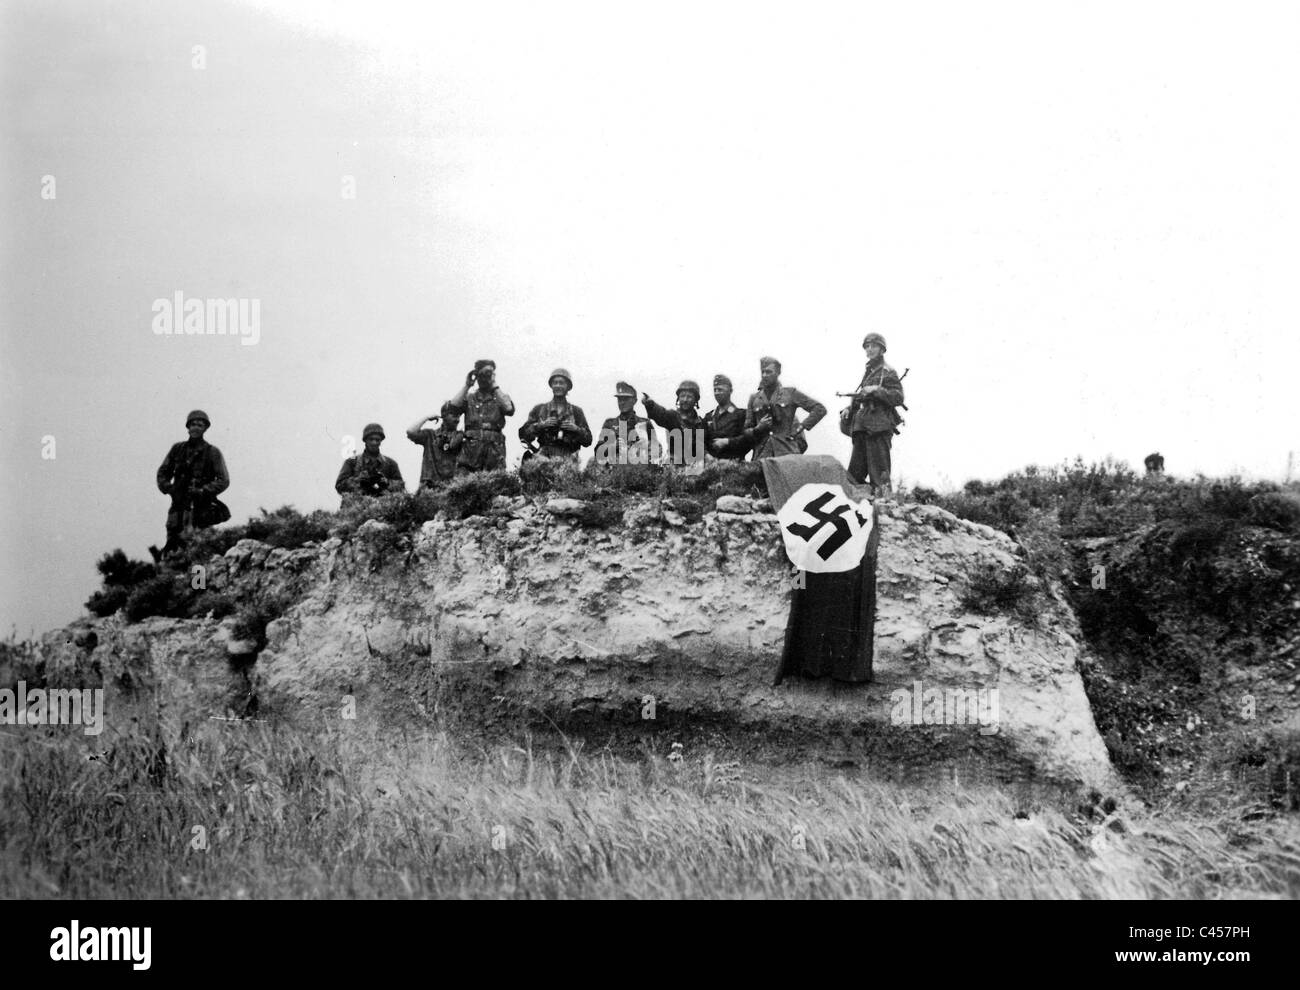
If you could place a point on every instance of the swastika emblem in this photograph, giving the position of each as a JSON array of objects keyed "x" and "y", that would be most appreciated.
[{"x": 823, "y": 530}]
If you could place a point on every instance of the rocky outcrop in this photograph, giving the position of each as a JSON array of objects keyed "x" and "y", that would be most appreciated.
[{"x": 526, "y": 610}]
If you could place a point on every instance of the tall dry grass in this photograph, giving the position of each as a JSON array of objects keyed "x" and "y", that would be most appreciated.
[{"x": 348, "y": 809}]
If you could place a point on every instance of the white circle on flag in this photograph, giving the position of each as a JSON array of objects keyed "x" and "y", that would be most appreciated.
[{"x": 824, "y": 530}]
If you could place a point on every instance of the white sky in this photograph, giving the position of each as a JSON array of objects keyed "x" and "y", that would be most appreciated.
[{"x": 1075, "y": 223}]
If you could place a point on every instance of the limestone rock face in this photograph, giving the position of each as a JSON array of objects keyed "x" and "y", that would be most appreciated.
[{"x": 578, "y": 623}]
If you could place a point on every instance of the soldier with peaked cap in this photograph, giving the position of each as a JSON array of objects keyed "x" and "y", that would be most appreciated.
[
  {"x": 193, "y": 473},
  {"x": 684, "y": 424},
  {"x": 369, "y": 473},
  {"x": 485, "y": 411},
  {"x": 441, "y": 447},
  {"x": 627, "y": 438},
  {"x": 724, "y": 427},
  {"x": 558, "y": 427},
  {"x": 874, "y": 419},
  {"x": 771, "y": 422}
]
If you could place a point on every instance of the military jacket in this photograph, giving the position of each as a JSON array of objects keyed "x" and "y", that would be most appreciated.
[
  {"x": 366, "y": 475},
  {"x": 627, "y": 441},
  {"x": 686, "y": 432},
  {"x": 781, "y": 405},
  {"x": 727, "y": 424},
  {"x": 558, "y": 441},
  {"x": 876, "y": 414},
  {"x": 483, "y": 411}
]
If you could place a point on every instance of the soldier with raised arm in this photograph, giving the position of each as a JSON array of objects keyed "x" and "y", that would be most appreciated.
[
  {"x": 441, "y": 446},
  {"x": 684, "y": 424},
  {"x": 485, "y": 410}
]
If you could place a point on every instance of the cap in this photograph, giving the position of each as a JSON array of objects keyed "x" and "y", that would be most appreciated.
[
  {"x": 197, "y": 414},
  {"x": 763, "y": 362},
  {"x": 560, "y": 373},
  {"x": 874, "y": 338},
  {"x": 624, "y": 389},
  {"x": 482, "y": 363},
  {"x": 721, "y": 380},
  {"x": 372, "y": 428}
]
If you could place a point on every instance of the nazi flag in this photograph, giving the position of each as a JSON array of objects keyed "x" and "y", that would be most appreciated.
[{"x": 824, "y": 531}]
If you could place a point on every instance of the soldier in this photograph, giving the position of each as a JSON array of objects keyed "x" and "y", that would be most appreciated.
[
  {"x": 684, "y": 424},
  {"x": 627, "y": 438},
  {"x": 724, "y": 428},
  {"x": 558, "y": 427},
  {"x": 485, "y": 411},
  {"x": 369, "y": 473},
  {"x": 873, "y": 418},
  {"x": 770, "y": 421},
  {"x": 440, "y": 445},
  {"x": 193, "y": 473}
]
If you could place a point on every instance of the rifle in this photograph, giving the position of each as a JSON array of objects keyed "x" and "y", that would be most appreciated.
[{"x": 860, "y": 398}]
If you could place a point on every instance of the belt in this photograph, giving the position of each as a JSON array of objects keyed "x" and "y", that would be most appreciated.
[{"x": 484, "y": 433}]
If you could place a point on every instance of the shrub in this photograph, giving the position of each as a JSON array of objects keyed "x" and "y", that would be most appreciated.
[
  {"x": 991, "y": 589},
  {"x": 166, "y": 594}
]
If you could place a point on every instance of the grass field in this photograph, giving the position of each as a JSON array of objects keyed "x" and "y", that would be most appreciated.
[{"x": 252, "y": 809}]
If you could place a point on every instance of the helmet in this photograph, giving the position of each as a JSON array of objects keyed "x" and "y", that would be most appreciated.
[
  {"x": 874, "y": 338},
  {"x": 197, "y": 414},
  {"x": 372, "y": 428},
  {"x": 689, "y": 386},
  {"x": 560, "y": 373}
]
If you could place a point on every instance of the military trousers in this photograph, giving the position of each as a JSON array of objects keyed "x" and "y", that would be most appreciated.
[{"x": 871, "y": 461}]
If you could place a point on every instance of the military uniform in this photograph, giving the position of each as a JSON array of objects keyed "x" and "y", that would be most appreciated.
[
  {"x": 441, "y": 448},
  {"x": 726, "y": 424},
  {"x": 686, "y": 432},
  {"x": 484, "y": 446},
  {"x": 369, "y": 474},
  {"x": 558, "y": 441},
  {"x": 193, "y": 473},
  {"x": 873, "y": 424},
  {"x": 781, "y": 405}
]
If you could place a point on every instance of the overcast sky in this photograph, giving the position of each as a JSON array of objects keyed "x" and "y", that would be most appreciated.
[{"x": 1075, "y": 223}]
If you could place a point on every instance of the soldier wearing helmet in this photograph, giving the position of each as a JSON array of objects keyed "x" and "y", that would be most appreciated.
[
  {"x": 558, "y": 427},
  {"x": 873, "y": 418},
  {"x": 193, "y": 473},
  {"x": 627, "y": 438},
  {"x": 684, "y": 424},
  {"x": 369, "y": 473},
  {"x": 485, "y": 411}
]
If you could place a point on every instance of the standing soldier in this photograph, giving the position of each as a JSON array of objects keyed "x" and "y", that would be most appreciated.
[
  {"x": 485, "y": 411},
  {"x": 770, "y": 420},
  {"x": 369, "y": 473},
  {"x": 627, "y": 438},
  {"x": 724, "y": 428},
  {"x": 558, "y": 427},
  {"x": 440, "y": 447},
  {"x": 874, "y": 420},
  {"x": 193, "y": 473},
  {"x": 684, "y": 424}
]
